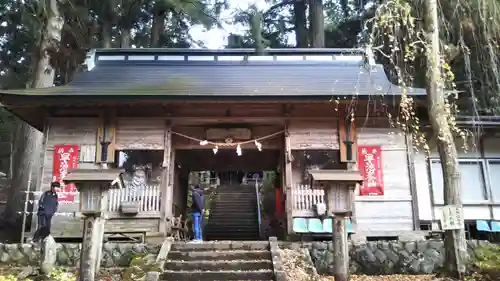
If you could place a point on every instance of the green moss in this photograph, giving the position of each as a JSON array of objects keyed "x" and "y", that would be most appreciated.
[
  {"x": 140, "y": 265},
  {"x": 172, "y": 86},
  {"x": 485, "y": 263}
]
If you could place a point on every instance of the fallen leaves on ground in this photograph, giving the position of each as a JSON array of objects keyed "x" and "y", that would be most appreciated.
[
  {"x": 296, "y": 266},
  {"x": 394, "y": 277}
]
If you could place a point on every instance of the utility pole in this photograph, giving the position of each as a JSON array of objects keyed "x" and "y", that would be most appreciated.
[{"x": 454, "y": 238}]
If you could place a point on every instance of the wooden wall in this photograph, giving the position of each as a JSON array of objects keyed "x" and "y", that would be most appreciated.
[
  {"x": 478, "y": 151},
  {"x": 81, "y": 131},
  {"x": 393, "y": 211},
  {"x": 371, "y": 212},
  {"x": 313, "y": 135},
  {"x": 130, "y": 134},
  {"x": 140, "y": 133}
]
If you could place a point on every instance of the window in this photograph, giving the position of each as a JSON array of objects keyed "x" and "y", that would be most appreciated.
[
  {"x": 473, "y": 183},
  {"x": 304, "y": 160},
  {"x": 494, "y": 178},
  {"x": 142, "y": 167}
]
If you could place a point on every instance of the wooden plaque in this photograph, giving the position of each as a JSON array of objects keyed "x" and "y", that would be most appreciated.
[
  {"x": 234, "y": 133},
  {"x": 338, "y": 199},
  {"x": 313, "y": 136}
]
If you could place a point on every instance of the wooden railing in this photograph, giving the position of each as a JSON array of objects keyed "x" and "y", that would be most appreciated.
[
  {"x": 148, "y": 198},
  {"x": 304, "y": 198}
]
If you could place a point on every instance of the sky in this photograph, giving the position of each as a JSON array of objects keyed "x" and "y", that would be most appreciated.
[{"x": 217, "y": 38}]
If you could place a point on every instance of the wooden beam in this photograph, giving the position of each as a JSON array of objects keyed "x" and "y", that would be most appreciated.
[
  {"x": 410, "y": 154},
  {"x": 288, "y": 182},
  {"x": 244, "y": 147},
  {"x": 166, "y": 183},
  {"x": 228, "y": 160}
]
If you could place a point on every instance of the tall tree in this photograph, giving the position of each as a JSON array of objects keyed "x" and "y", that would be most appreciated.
[
  {"x": 316, "y": 24},
  {"x": 27, "y": 150},
  {"x": 300, "y": 22},
  {"x": 440, "y": 117}
]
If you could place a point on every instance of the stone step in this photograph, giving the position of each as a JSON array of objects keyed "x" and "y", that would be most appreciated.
[
  {"x": 235, "y": 204},
  {"x": 222, "y": 210},
  {"x": 217, "y": 255},
  {"x": 234, "y": 207},
  {"x": 245, "y": 218},
  {"x": 228, "y": 226},
  {"x": 237, "y": 209},
  {"x": 235, "y": 190},
  {"x": 221, "y": 246},
  {"x": 235, "y": 237},
  {"x": 233, "y": 213},
  {"x": 239, "y": 197},
  {"x": 217, "y": 275},
  {"x": 239, "y": 187},
  {"x": 219, "y": 265},
  {"x": 249, "y": 194},
  {"x": 229, "y": 232}
]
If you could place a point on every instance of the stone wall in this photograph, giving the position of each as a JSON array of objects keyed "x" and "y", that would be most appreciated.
[
  {"x": 383, "y": 257},
  {"x": 114, "y": 254}
]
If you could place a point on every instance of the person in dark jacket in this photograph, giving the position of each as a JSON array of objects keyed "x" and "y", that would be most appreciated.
[
  {"x": 197, "y": 208},
  {"x": 47, "y": 207}
]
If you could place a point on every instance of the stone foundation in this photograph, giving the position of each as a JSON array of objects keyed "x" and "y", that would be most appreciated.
[
  {"x": 383, "y": 257},
  {"x": 113, "y": 254}
]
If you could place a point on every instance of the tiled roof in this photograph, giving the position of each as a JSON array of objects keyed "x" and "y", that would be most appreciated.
[{"x": 207, "y": 74}]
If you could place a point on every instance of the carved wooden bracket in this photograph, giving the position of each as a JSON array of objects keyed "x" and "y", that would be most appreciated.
[
  {"x": 348, "y": 137},
  {"x": 106, "y": 137}
]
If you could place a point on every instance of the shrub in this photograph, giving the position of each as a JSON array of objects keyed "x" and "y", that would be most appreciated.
[{"x": 485, "y": 264}]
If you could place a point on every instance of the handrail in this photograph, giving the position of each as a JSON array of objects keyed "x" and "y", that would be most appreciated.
[{"x": 258, "y": 205}]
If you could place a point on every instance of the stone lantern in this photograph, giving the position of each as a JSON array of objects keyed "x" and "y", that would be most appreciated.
[
  {"x": 93, "y": 186},
  {"x": 339, "y": 188}
]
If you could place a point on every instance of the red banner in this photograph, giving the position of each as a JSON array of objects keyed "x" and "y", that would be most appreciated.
[
  {"x": 370, "y": 165},
  {"x": 65, "y": 157}
]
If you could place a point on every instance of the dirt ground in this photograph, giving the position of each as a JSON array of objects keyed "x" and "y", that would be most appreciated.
[{"x": 386, "y": 278}]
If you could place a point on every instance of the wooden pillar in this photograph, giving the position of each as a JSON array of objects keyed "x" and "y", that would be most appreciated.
[
  {"x": 341, "y": 248},
  {"x": 410, "y": 158},
  {"x": 288, "y": 182},
  {"x": 348, "y": 133},
  {"x": 105, "y": 154},
  {"x": 166, "y": 183}
]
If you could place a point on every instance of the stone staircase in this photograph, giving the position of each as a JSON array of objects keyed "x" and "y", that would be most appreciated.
[
  {"x": 224, "y": 260},
  {"x": 233, "y": 214}
]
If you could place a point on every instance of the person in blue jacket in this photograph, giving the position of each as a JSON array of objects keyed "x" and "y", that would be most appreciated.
[
  {"x": 47, "y": 207},
  {"x": 197, "y": 208}
]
